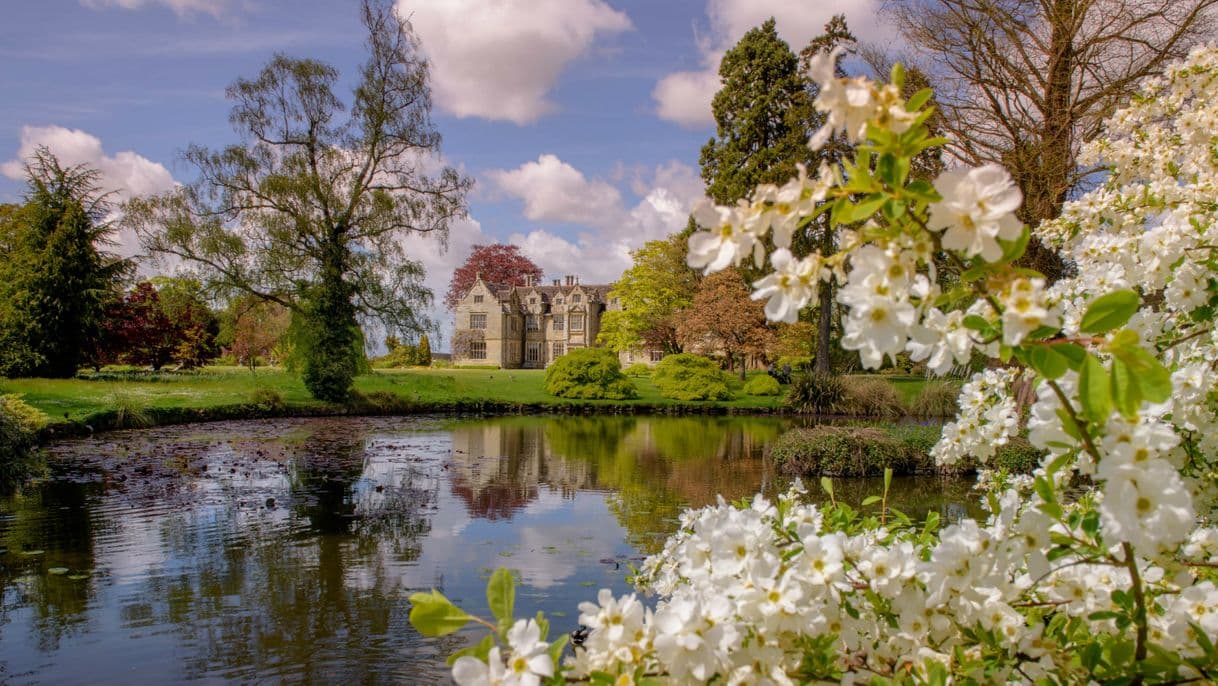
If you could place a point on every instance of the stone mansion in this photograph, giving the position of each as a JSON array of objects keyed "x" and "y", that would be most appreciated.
[{"x": 529, "y": 326}]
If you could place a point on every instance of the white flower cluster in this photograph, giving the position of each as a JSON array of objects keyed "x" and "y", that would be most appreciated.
[
  {"x": 1103, "y": 557},
  {"x": 745, "y": 591},
  {"x": 527, "y": 662}
]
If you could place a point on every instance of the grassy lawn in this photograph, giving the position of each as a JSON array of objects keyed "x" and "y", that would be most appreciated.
[{"x": 77, "y": 399}]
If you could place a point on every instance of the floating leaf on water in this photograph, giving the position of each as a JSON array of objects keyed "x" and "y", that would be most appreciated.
[
  {"x": 587, "y": 583},
  {"x": 57, "y": 570},
  {"x": 78, "y": 577},
  {"x": 31, "y": 553}
]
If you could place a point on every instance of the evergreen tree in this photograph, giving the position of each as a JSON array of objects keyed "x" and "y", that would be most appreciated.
[
  {"x": 760, "y": 115},
  {"x": 56, "y": 280},
  {"x": 423, "y": 354}
]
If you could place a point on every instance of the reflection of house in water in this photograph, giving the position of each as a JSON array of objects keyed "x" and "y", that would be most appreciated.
[{"x": 499, "y": 466}]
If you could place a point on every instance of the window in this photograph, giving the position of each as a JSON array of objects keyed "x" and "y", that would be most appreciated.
[
  {"x": 477, "y": 350},
  {"x": 657, "y": 355},
  {"x": 530, "y": 323},
  {"x": 558, "y": 300},
  {"x": 558, "y": 322},
  {"x": 532, "y": 301},
  {"x": 477, "y": 321},
  {"x": 477, "y": 298},
  {"x": 577, "y": 322},
  {"x": 515, "y": 324},
  {"x": 557, "y": 351},
  {"x": 575, "y": 298},
  {"x": 532, "y": 352}
]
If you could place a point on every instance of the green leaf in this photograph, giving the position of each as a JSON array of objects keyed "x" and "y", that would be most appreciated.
[
  {"x": 827, "y": 484},
  {"x": 1047, "y": 362},
  {"x": 1073, "y": 352},
  {"x": 501, "y": 594},
  {"x": 1152, "y": 379},
  {"x": 434, "y": 615},
  {"x": 1013, "y": 250},
  {"x": 896, "y": 75},
  {"x": 868, "y": 207},
  {"x": 480, "y": 650},
  {"x": 871, "y": 500},
  {"x": 977, "y": 323},
  {"x": 1095, "y": 390},
  {"x": 556, "y": 648},
  {"x": 1109, "y": 311},
  {"x": 1125, "y": 392},
  {"x": 918, "y": 100}
]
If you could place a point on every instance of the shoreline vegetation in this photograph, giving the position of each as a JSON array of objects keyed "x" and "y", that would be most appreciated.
[{"x": 119, "y": 398}]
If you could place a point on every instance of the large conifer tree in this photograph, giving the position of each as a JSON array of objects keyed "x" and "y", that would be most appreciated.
[{"x": 56, "y": 279}]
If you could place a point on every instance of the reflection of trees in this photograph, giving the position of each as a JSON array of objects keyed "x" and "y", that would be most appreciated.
[
  {"x": 656, "y": 466},
  {"x": 316, "y": 589},
  {"x": 55, "y": 517}
]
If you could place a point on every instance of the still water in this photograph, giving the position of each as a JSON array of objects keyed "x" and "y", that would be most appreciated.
[{"x": 284, "y": 550}]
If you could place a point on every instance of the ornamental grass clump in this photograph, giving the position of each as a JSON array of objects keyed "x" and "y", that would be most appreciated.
[
  {"x": 691, "y": 377},
  {"x": 1099, "y": 567},
  {"x": 589, "y": 374}
]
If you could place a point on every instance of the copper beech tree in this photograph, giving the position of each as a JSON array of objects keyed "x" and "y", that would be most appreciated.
[
  {"x": 499, "y": 264},
  {"x": 723, "y": 318}
]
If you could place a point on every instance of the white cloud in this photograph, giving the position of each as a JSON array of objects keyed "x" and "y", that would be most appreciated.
[
  {"x": 182, "y": 8},
  {"x": 125, "y": 174},
  {"x": 554, "y": 191},
  {"x": 684, "y": 97},
  {"x": 499, "y": 60}
]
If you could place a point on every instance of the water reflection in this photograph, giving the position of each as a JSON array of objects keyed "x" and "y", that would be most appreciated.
[{"x": 285, "y": 550}]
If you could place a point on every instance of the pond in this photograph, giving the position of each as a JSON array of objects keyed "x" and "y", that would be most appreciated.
[{"x": 285, "y": 550}]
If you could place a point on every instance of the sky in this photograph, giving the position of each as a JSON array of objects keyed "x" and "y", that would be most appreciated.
[{"x": 580, "y": 121}]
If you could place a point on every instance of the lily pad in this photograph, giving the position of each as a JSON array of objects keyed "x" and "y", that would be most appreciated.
[
  {"x": 57, "y": 570},
  {"x": 31, "y": 553},
  {"x": 78, "y": 577}
]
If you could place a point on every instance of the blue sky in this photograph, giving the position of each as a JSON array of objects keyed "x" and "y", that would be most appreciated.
[{"x": 580, "y": 120}]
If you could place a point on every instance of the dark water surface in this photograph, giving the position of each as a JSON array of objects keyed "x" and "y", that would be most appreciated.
[{"x": 284, "y": 550}]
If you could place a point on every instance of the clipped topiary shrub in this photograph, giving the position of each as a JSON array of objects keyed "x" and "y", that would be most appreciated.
[
  {"x": 691, "y": 377},
  {"x": 813, "y": 393},
  {"x": 762, "y": 384},
  {"x": 19, "y": 427},
  {"x": 589, "y": 374}
]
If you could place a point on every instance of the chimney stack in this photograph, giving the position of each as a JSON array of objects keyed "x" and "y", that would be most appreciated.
[{"x": 557, "y": 281}]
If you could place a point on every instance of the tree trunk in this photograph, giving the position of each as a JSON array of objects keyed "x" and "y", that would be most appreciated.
[{"x": 824, "y": 328}]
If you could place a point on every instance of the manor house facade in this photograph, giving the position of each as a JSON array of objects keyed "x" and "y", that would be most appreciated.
[{"x": 530, "y": 326}]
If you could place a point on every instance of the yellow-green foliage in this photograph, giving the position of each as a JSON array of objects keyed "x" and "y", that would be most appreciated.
[
  {"x": 19, "y": 426},
  {"x": 638, "y": 370},
  {"x": 762, "y": 384},
  {"x": 691, "y": 377},
  {"x": 588, "y": 374}
]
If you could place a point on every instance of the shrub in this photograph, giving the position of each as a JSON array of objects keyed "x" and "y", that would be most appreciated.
[
  {"x": 691, "y": 377},
  {"x": 857, "y": 451},
  {"x": 19, "y": 427},
  {"x": 267, "y": 399},
  {"x": 639, "y": 370},
  {"x": 814, "y": 393},
  {"x": 587, "y": 374},
  {"x": 762, "y": 384},
  {"x": 869, "y": 397},
  {"x": 937, "y": 399},
  {"x": 853, "y": 451}
]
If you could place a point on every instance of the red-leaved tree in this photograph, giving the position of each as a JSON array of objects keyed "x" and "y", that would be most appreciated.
[{"x": 500, "y": 264}]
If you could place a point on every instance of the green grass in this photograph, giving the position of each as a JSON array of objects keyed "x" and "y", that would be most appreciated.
[
  {"x": 81, "y": 398},
  {"x": 78, "y": 399}
]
